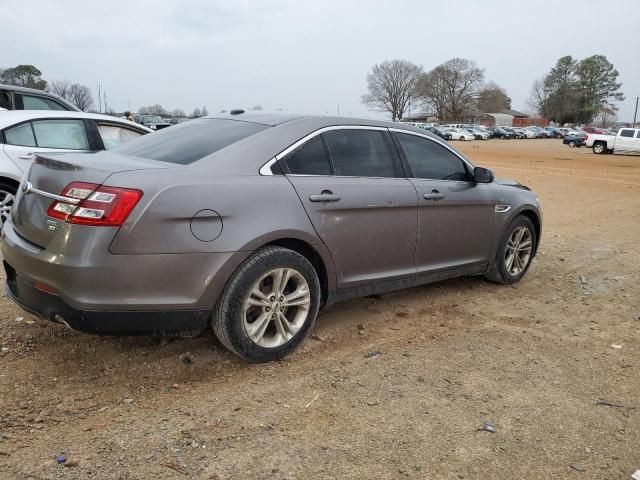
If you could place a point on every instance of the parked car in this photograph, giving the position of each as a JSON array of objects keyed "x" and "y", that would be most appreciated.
[
  {"x": 21, "y": 98},
  {"x": 477, "y": 134},
  {"x": 308, "y": 205},
  {"x": 599, "y": 131},
  {"x": 519, "y": 132},
  {"x": 460, "y": 134},
  {"x": 500, "y": 132},
  {"x": 440, "y": 132},
  {"x": 574, "y": 139},
  {"x": 563, "y": 131},
  {"x": 24, "y": 134},
  {"x": 154, "y": 122},
  {"x": 554, "y": 132},
  {"x": 626, "y": 141}
]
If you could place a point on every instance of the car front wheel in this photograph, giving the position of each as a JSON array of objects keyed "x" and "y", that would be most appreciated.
[
  {"x": 268, "y": 306},
  {"x": 515, "y": 252}
]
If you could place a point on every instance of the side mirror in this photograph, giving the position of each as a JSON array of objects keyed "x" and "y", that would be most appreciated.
[{"x": 482, "y": 175}]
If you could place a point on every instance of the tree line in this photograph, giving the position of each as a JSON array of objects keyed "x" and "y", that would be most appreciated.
[
  {"x": 572, "y": 92},
  {"x": 78, "y": 95}
]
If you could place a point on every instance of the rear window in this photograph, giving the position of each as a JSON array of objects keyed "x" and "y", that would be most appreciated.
[{"x": 190, "y": 141}]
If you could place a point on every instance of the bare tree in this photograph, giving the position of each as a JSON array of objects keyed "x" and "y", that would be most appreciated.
[
  {"x": 81, "y": 97},
  {"x": 204, "y": 111},
  {"x": 77, "y": 94},
  {"x": 152, "y": 110},
  {"x": 391, "y": 87},
  {"x": 538, "y": 98},
  {"x": 60, "y": 88},
  {"x": 606, "y": 117},
  {"x": 257, "y": 107},
  {"x": 178, "y": 112},
  {"x": 196, "y": 113},
  {"x": 451, "y": 88}
]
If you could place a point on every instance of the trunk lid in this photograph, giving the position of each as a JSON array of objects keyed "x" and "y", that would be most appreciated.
[{"x": 51, "y": 173}]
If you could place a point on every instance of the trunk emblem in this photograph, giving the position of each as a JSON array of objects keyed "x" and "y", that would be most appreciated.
[{"x": 27, "y": 188}]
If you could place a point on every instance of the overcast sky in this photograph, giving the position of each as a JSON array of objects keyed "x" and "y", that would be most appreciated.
[{"x": 305, "y": 56}]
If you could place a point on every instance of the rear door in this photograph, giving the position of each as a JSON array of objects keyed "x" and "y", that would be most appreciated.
[
  {"x": 352, "y": 185},
  {"x": 626, "y": 141},
  {"x": 22, "y": 141},
  {"x": 455, "y": 215}
]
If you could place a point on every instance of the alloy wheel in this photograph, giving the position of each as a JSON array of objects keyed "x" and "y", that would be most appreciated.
[
  {"x": 598, "y": 148},
  {"x": 6, "y": 203},
  {"x": 518, "y": 253},
  {"x": 277, "y": 307}
]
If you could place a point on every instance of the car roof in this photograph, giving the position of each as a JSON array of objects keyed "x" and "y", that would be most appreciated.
[
  {"x": 35, "y": 91},
  {"x": 11, "y": 117}
]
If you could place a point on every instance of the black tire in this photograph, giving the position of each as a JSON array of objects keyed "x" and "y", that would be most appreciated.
[
  {"x": 497, "y": 271},
  {"x": 599, "y": 148},
  {"x": 6, "y": 188},
  {"x": 227, "y": 320},
  {"x": 572, "y": 144}
]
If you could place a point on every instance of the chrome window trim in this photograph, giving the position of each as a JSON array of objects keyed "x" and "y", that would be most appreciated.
[
  {"x": 418, "y": 134},
  {"x": 266, "y": 168}
]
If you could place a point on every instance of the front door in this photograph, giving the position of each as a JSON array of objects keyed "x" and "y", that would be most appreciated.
[
  {"x": 455, "y": 214},
  {"x": 349, "y": 181}
]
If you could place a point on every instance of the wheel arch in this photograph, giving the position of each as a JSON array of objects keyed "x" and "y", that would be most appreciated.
[
  {"x": 10, "y": 181},
  {"x": 537, "y": 224},
  {"x": 313, "y": 256}
]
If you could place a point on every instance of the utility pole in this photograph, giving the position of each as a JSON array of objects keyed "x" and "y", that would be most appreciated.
[
  {"x": 338, "y": 109},
  {"x": 105, "y": 102},
  {"x": 99, "y": 88},
  {"x": 635, "y": 114}
]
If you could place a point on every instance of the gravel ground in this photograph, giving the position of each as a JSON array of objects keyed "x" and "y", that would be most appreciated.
[{"x": 392, "y": 387}]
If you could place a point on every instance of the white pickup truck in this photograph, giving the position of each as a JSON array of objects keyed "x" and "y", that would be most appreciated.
[{"x": 626, "y": 141}]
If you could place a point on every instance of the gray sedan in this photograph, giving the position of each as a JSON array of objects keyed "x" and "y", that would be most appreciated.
[{"x": 250, "y": 223}]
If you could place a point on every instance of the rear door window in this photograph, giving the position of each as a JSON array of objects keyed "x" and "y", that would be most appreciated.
[
  {"x": 309, "y": 159},
  {"x": 360, "y": 153},
  {"x": 21, "y": 135},
  {"x": 626, "y": 133},
  {"x": 114, "y": 135},
  {"x": 33, "y": 102},
  {"x": 65, "y": 134}
]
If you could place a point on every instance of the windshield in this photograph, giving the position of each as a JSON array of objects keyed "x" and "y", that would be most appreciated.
[
  {"x": 152, "y": 118},
  {"x": 190, "y": 141}
]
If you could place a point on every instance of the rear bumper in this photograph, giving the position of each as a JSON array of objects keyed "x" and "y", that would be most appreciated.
[{"x": 52, "y": 307}]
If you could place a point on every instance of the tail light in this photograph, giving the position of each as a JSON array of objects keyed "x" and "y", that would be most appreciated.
[
  {"x": 586, "y": 136},
  {"x": 99, "y": 205}
]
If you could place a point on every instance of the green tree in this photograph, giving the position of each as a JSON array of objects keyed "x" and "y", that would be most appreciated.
[
  {"x": 492, "y": 98},
  {"x": 24, "y": 76},
  {"x": 562, "y": 98},
  {"x": 597, "y": 86}
]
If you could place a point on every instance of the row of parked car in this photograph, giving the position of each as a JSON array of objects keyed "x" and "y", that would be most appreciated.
[{"x": 467, "y": 132}]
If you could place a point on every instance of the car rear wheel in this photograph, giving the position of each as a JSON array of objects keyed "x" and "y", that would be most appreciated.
[
  {"x": 599, "y": 148},
  {"x": 7, "y": 196},
  {"x": 515, "y": 252},
  {"x": 268, "y": 306},
  {"x": 572, "y": 144}
]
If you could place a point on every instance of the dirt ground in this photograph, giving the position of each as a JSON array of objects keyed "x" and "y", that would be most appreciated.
[{"x": 553, "y": 361}]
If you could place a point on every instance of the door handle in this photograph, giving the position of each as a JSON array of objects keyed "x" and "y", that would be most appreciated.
[
  {"x": 435, "y": 195},
  {"x": 26, "y": 156},
  {"x": 324, "y": 196}
]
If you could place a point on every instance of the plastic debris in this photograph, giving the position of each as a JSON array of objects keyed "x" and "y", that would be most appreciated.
[
  {"x": 635, "y": 475},
  {"x": 61, "y": 458},
  {"x": 489, "y": 426},
  {"x": 617, "y": 346},
  {"x": 375, "y": 354}
]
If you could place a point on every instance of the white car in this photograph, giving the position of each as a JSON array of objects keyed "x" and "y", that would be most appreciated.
[
  {"x": 459, "y": 134},
  {"x": 626, "y": 141},
  {"x": 24, "y": 133}
]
